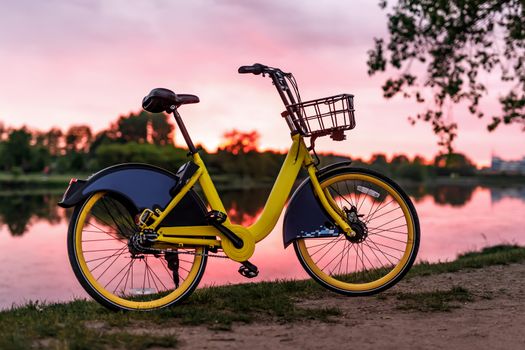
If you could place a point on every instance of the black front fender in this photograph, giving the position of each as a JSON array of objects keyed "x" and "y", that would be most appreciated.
[
  {"x": 143, "y": 186},
  {"x": 305, "y": 216}
]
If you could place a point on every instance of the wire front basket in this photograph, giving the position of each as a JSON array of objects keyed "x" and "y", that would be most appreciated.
[{"x": 325, "y": 116}]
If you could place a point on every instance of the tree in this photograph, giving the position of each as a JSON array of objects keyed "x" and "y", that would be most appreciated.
[
  {"x": 419, "y": 160},
  {"x": 144, "y": 128},
  {"x": 17, "y": 150},
  {"x": 3, "y": 131},
  {"x": 132, "y": 128},
  {"x": 456, "y": 42},
  {"x": 379, "y": 162},
  {"x": 162, "y": 131},
  {"x": 236, "y": 141},
  {"x": 399, "y": 160},
  {"x": 163, "y": 156},
  {"x": 53, "y": 140},
  {"x": 78, "y": 138},
  {"x": 454, "y": 163}
]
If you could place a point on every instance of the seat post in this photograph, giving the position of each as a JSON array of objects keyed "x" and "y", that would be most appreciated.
[{"x": 183, "y": 130}]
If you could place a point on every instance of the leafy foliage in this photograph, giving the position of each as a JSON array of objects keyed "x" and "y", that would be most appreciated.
[
  {"x": 18, "y": 155},
  {"x": 144, "y": 127},
  {"x": 149, "y": 139},
  {"x": 164, "y": 156},
  {"x": 443, "y": 49},
  {"x": 235, "y": 141}
]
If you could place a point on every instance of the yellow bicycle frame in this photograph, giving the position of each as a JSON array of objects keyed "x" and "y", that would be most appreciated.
[{"x": 181, "y": 236}]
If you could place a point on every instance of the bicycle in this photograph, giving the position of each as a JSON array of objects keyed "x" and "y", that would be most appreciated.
[{"x": 140, "y": 236}]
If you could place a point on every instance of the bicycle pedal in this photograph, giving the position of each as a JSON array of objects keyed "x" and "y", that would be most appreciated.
[{"x": 248, "y": 270}]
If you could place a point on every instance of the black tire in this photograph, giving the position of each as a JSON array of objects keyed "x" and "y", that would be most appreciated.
[
  {"x": 341, "y": 282},
  {"x": 93, "y": 286}
]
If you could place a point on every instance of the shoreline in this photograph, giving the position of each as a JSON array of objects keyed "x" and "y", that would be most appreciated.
[
  {"x": 13, "y": 183},
  {"x": 445, "y": 290}
]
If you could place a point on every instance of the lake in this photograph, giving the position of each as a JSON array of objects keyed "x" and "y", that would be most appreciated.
[{"x": 454, "y": 219}]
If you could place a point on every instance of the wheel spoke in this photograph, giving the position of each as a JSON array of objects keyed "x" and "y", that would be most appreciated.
[
  {"x": 383, "y": 214},
  {"x": 388, "y": 222},
  {"x": 379, "y": 208},
  {"x": 118, "y": 273},
  {"x": 324, "y": 245},
  {"x": 380, "y": 235},
  {"x": 102, "y": 231},
  {"x": 118, "y": 253},
  {"x": 106, "y": 256},
  {"x": 333, "y": 245}
]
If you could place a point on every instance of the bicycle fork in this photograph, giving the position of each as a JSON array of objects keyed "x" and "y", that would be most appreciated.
[{"x": 329, "y": 203}]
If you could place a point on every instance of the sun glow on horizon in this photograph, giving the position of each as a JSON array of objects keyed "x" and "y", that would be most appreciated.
[{"x": 93, "y": 72}]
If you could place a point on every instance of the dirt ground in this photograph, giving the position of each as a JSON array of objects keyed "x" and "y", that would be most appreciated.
[{"x": 495, "y": 319}]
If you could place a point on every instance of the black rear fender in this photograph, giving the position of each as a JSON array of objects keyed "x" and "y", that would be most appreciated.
[{"x": 141, "y": 186}]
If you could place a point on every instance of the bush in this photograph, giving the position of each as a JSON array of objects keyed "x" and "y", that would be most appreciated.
[
  {"x": 414, "y": 171},
  {"x": 167, "y": 157}
]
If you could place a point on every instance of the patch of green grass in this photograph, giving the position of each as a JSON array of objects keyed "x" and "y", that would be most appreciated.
[
  {"x": 86, "y": 325},
  {"x": 434, "y": 301},
  {"x": 246, "y": 303},
  {"x": 67, "y": 326},
  {"x": 70, "y": 325},
  {"x": 496, "y": 255}
]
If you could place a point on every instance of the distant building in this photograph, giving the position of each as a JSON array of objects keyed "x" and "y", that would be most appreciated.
[{"x": 507, "y": 166}]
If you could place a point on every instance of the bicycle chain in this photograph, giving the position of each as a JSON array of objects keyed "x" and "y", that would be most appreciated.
[{"x": 164, "y": 251}]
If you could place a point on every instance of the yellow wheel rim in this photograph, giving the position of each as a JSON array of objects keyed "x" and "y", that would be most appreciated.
[
  {"x": 409, "y": 245},
  {"x": 109, "y": 295}
]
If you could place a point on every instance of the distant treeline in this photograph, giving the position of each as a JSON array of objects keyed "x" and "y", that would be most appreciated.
[
  {"x": 148, "y": 138},
  {"x": 142, "y": 137}
]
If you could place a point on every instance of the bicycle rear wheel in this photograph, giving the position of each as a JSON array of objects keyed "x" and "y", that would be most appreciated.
[
  {"x": 119, "y": 273},
  {"x": 386, "y": 241}
]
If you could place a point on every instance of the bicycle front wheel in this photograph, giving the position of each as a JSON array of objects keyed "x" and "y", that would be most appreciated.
[
  {"x": 386, "y": 241},
  {"x": 117, "y": 271}
]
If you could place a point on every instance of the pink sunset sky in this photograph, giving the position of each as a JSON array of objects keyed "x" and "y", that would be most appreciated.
[{"x": 66, "y": 62}]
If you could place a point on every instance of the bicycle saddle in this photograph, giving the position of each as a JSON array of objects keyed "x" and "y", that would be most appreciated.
[{"x": 160, "y": 100}]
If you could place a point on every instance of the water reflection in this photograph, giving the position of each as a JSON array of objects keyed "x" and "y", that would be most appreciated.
[
  {"x": 244, "y": 206},
  {"x": 453, "y": 219},
  {"x": 18, "y": 211},
  {"x": 454, "y": 195},
  {"x": 499, "y": 193}
]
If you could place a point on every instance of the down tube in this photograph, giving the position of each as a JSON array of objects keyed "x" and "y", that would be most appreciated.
[{"x": 281, "y": 189}]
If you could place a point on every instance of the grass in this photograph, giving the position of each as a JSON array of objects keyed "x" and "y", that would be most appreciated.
[
  {"x": 248, "y": 302},
  {"x": 496, "y": 255},
  {"x": 437, "y": 300},
  {"x": 86, "y": 325},
  {"x": 70, "y": 325}
]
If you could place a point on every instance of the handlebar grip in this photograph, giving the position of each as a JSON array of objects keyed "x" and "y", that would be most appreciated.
[{"x": 256, "y": 69}]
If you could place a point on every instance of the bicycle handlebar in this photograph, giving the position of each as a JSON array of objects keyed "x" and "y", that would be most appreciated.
[
  {"x": 279, "y": 81},
  {"x": 256, "y": 69}
]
